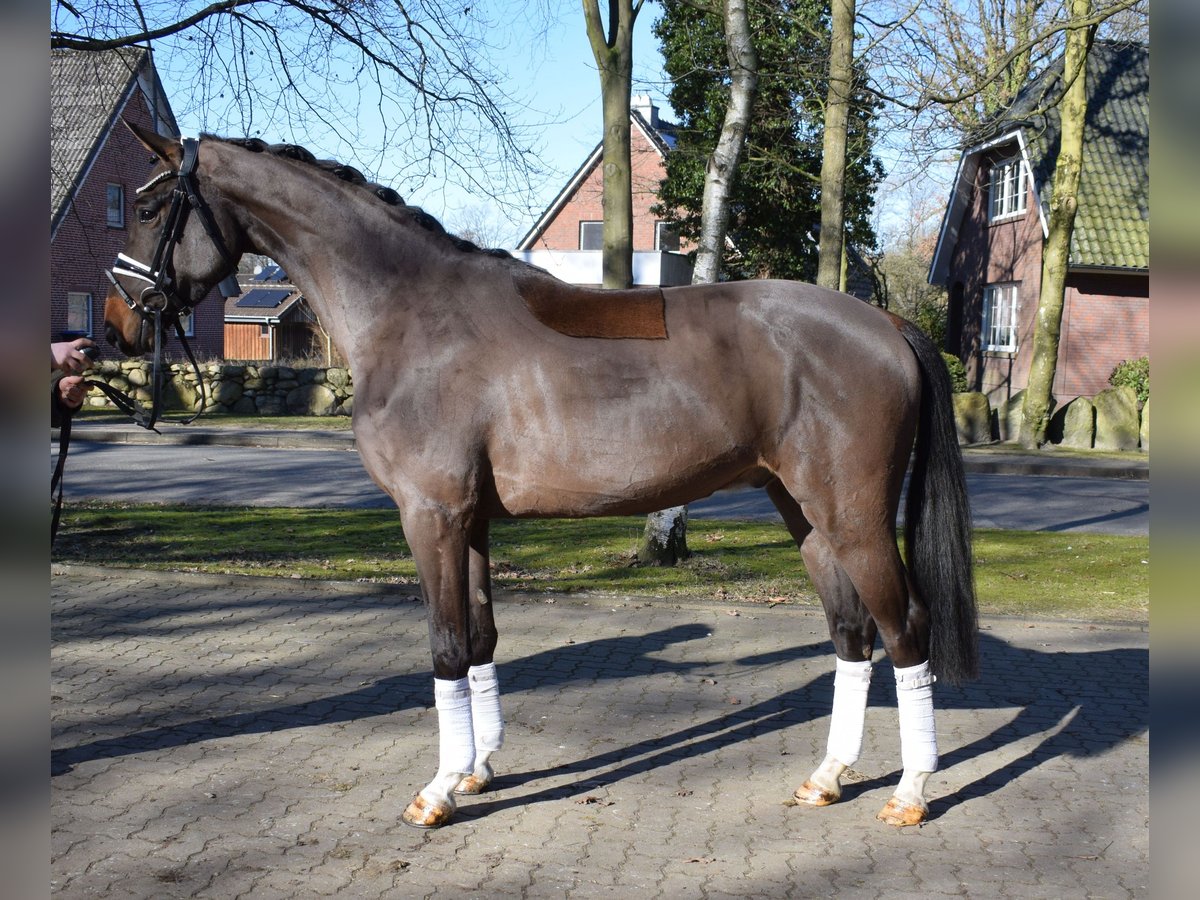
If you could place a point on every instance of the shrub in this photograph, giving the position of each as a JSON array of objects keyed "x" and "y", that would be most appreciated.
[
  {"x": 1134, "y": 373},
  {"x": 958, "y": 372}
]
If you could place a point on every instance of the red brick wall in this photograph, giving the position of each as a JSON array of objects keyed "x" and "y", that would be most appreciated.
[
  {"x": 1006, "y": 252},
  {"x": 1106, "y": 317},
  {"x": 585, "y": 204},
  {"x": 84, "y": 245}
]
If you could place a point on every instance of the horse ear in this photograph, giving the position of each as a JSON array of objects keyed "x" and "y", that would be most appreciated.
[{"x": 169, "y": 151}]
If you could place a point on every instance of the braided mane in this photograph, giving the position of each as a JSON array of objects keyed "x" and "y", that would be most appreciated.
[{"x": 349, "y": 174}]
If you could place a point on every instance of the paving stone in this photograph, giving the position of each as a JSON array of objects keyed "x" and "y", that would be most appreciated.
[{"x": 259, "y": 738}]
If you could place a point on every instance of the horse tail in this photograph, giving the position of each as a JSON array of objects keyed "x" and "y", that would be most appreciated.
[{"x": 937, "y": 527}]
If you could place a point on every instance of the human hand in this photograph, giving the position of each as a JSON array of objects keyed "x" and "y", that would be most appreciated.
[
  {"x": 71, "y": 391},
  {"x": 68, "y": 356}
]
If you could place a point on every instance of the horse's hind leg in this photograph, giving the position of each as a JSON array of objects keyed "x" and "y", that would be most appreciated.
[
  {"x": 873, "y": 565},
  {"x": 853, "y": 634},
  {"x": 486, "y": 718}
]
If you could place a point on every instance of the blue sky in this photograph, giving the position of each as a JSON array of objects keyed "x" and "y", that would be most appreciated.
[{"x": 554, "y": 72}]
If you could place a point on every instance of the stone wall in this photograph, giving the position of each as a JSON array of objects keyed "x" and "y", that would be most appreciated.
[
  {"x": 1109, "y": 421},
  {"x": 253, "y": 390}
]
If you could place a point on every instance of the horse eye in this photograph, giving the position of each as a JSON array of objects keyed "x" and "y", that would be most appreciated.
[{"x": 146, "y": 215}]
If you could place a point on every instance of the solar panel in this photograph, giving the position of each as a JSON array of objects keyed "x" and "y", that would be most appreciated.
[
  {"x": 271, "y": 273},
  {"x": 260, "y": 298}
]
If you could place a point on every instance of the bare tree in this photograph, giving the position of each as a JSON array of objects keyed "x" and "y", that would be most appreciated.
[
  {"x": 419, "y": 72},
  {"x": 1072, "y": 108},
  {"x": 664, "y": 540},
  {"x": 722, "y": 164},
  {"x": 833, "y": 154},
  {"x": 612, "y": 48}
]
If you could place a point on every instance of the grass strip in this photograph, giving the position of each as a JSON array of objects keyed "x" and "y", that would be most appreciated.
[{"x": 1058, "y": 575}]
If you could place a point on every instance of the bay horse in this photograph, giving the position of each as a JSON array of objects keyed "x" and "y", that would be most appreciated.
[{"x": 485, "y": 388}]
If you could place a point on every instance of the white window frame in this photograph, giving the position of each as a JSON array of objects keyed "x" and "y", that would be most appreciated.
[
  {"x": 660, "y": 227},
  {"x": 83, "y": 300},
  {"x": 599, "y": 227},
  {"x": 1001, "y": 304},
  {"x": 1008, "y": 189},
  {"x": 114, "y": 213}
]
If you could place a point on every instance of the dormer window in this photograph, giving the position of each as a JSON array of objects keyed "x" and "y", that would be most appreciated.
[{"x": 1008, "y": 189}]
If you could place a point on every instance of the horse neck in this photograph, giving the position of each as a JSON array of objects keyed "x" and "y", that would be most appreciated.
[{"x": 340, "y": 245}]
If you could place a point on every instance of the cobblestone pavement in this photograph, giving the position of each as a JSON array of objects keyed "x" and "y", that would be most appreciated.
[{"x": 240, "y": 737}]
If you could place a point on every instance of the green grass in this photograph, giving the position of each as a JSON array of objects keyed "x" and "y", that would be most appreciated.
[{"x": 1081, "y": 576}]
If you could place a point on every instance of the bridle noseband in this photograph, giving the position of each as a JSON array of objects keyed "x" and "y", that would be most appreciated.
[{"x": 159, "y": 297}]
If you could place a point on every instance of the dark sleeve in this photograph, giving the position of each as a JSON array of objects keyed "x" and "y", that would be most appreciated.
[{"x": 59, "y": 411}]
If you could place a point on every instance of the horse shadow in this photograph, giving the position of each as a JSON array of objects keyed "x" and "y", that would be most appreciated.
[
  {"x": 1078, "y": 704},
  {"x": 1070, "y": 704}
]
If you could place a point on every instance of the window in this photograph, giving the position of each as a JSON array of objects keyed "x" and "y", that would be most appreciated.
[
  {"x": 591, "y": 235},
  {"x": 116, "y": 206},
  {"x": 1008, "y": 189},
  {"x": 79, "y": 314},
  {"x": 1000, "y": 317},
  {"x": 187, "y": 320},
  {"x": 665, "y": 236}
]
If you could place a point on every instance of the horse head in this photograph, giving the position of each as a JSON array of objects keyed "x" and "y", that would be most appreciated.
[{"x": 178, "y": 247}]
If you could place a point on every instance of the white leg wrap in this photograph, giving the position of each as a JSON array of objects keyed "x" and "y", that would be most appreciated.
[
  {"x": 456, "y": 740},
  {"x": 486, "y": 718},
  {"x": 851, "y": 682},
  {"x": 918, "y": 734}
]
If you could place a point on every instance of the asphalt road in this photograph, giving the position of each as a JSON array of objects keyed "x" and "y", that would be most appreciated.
[{"x": 258, "y": 476}]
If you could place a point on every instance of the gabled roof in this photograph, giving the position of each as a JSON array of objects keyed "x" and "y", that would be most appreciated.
[
  {"x": 266, "y": 297},
  {"x": 1112, "y": 224},
  {"x": 88, "y": 91},
  {"x": 661, "y": 136}
]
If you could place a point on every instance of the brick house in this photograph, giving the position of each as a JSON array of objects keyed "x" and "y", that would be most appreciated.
[
  {"x": 989, "y": 251},
  {"x": 96, "y": 166},
  {"x": 567, "y": 238}
]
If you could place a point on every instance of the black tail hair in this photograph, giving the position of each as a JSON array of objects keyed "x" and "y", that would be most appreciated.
[{"x": 937, "y": 528}]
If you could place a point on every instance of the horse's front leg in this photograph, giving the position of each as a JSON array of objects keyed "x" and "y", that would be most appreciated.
[
  {"x": 486, "y": 718},
  {"x": 439, "y": 540}
]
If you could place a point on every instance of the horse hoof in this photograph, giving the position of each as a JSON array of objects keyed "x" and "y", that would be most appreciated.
[
  {"x": 422, "y": 813},
  {"x": 901, "y": 813},
  {"x": 473, "y": 784},
  {"x": 814, "y": 795}
]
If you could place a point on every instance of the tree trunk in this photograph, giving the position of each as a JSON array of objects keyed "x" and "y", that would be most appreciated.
[
  {"x": 664, "y": 542},
  {"x": 1036, "y": 409},
  {"x": 614, "y": 60},
  {"x": 833, "y": 151},
  {"x": 722, "y": 165},
  {"x": 665, "y": 539}
]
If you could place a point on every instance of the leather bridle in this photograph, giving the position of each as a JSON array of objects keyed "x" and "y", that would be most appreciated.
[{"x": 159, "y": 298}]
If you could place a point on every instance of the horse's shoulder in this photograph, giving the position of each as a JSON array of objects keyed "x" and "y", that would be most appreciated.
[{"x": 576, "y": 311}]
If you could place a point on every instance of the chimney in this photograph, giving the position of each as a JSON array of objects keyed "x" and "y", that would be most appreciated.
[{"x": 645, "y": 106}]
